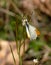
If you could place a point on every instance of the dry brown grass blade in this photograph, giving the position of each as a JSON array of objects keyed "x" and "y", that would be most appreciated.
[
  {"x": 16, "y": 8},
  {"x": 7, "y": 11}
]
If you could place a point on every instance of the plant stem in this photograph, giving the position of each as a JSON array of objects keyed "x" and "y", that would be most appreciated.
[
  {"x": 24, "y": 40},
  {"x": 16, "y": 27},
  {"x": 18, "y": 45},
  {"x": 12, "y": 54},
  {"x": 20, "y": 59}
]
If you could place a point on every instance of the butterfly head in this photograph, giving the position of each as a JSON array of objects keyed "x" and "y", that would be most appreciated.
[{"x": 24, "y": 22}]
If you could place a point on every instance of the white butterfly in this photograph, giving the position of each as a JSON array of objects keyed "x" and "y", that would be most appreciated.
[{"x": 32, "y": 32}]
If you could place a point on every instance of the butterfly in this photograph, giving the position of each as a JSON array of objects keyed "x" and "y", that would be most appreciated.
[{"x": 32, "y": 32}]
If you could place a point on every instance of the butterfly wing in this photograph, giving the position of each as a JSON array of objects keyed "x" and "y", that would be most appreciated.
[
  {"x": 32, "y": 32},
  {"x": 28, "y": 34}
]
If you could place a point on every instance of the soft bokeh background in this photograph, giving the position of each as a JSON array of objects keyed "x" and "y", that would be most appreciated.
[{"x": 38, "y": 13}]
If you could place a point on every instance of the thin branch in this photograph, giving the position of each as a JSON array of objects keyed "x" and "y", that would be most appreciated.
[
  {"x": 7, "y": 12},
  {"x": 16, "y": 8},
  {"x": 7, "y": 16},
  {"x": 12, "y": 54},
  {"x": 46, "y": 54}
]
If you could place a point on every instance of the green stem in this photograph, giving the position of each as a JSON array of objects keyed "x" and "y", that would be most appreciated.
[
  {"x": 20, "y": 59},
  {"x": 18, "y": 45},
  {"x": 12, "y": 54},
  {"x": 24, "y": 40}
]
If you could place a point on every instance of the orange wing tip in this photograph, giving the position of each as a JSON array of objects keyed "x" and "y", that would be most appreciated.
[{"x": 37, "y": 32}]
